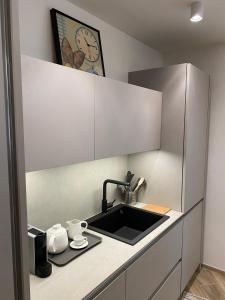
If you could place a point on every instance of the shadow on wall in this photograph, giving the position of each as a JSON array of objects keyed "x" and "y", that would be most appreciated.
[{"x": 163, "y": 173}]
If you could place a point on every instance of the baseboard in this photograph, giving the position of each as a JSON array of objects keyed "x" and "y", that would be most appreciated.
[{"x": 213, "y": 268}]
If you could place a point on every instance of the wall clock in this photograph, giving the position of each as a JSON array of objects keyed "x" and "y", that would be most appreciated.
[{"x": 77, "y": 45}]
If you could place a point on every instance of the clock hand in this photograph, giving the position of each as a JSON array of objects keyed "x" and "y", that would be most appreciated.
[
  {"x": 92, "y": 46},
  {"x": 89, "y": 45},
  {"x": 86, "y": 41}
]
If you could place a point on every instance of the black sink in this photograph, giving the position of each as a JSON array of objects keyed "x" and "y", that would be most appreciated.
[{"x": 126, "y": 223}]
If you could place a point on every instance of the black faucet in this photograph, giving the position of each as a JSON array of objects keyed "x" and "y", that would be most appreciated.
[{"x": 105, "y": 204}]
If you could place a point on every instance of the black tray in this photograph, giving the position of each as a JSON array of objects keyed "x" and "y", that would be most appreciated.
[{"x": 69, "y": 254}]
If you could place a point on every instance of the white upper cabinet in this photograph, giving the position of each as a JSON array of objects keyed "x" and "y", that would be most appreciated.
[
  {"x": 58, "y": 108},
  {"x": 127, "y": 118},
  {"x": 71, "y": 116}
]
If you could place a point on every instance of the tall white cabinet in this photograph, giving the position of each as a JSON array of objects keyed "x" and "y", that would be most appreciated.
[
  {"x": 184, "y": 138},
  {"x": 195, "y": 137}
]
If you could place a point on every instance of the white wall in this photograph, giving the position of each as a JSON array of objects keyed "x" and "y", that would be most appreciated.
[
  {"x": 121, "y": 52},
  {"x": 212, "y": 61},
  {"x": 75, "y": 191}
]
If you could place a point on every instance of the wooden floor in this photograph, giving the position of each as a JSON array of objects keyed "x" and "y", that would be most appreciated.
[
  {"x": 188, "y": 296},
  {"x": 208, "y": 284}
]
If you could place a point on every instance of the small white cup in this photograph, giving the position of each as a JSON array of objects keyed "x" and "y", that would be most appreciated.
[
  {"x": 76, "y": 227},
  {"x": 79, "y": 240}
]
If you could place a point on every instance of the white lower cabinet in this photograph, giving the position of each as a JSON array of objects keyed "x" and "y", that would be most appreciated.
[
  {"x": 170, "y": 290},
  {"x": 192, "y": 241},
  {"x": 165, "y": 269},
  {"x": 145, "y": 275},
  {"x": 116, "y": 290}
]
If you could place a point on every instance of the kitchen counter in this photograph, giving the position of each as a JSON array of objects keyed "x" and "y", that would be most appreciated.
[{"x": 91, "y": 272}]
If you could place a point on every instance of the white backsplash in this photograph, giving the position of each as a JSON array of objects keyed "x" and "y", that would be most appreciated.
[{"x": 75, "y": 191}]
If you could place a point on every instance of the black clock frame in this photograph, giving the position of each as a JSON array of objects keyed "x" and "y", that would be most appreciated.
[{"x": 59, "y": 61}]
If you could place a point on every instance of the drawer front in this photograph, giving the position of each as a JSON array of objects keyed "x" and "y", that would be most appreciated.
[
  {"x": 170, "y": 290},
  {"x": 151, "y": 269},
  {"x": 116, "y": 290}
]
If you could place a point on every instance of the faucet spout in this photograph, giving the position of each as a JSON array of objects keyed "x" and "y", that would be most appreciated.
[{"x": 105, "y": 204}]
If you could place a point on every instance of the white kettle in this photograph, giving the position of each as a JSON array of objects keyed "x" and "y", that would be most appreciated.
[{"x": 57, "y": 239}]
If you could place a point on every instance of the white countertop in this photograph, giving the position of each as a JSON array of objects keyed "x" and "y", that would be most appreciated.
[{"x": 85, "y": 273}]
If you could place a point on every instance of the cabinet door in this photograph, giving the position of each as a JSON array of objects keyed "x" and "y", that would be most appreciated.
[
  {"x": 116, "y": 290},
  {"x": 170, "y": 289},
  {"x": 192, "y": 243},
  {"x": 58, "y": 107},
  {"x": 196, "y": 136},
  {"x": 151, "y": 269},
  {"x": 127, "y": 118}
]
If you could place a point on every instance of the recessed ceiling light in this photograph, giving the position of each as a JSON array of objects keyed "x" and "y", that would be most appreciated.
[{"x": 196, "y": 12}]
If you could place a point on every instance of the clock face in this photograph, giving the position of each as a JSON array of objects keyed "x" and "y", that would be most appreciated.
[{"x": 87, "y": 43}]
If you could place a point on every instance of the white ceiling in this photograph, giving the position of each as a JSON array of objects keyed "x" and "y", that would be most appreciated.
[{"x": 162, "y": 24}]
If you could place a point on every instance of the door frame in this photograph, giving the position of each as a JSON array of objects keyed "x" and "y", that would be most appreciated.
[{"x": 14, "y": 259}]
